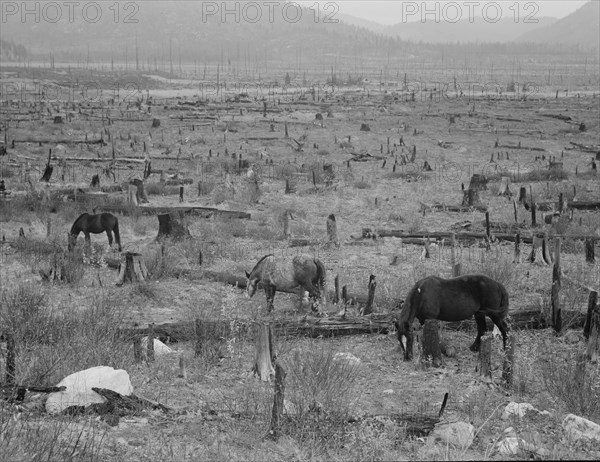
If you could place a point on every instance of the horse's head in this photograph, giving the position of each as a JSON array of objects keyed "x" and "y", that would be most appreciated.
[{"x": 251, "y": 283}]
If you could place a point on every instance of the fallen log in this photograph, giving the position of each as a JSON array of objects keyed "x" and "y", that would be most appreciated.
[
  {"x": 452, "y": 208},
  {"x": 367, "y": 232},
  {"x": 100, "y": 141},
  {"x": 583, "y": 205},
  {"x": 336, "y": 326},
  {"x": 17, "y": 392},
  {"x": 205, "y": 212}
]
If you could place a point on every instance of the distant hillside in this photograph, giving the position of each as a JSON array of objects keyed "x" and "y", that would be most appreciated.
[
  {"x": 581, "y": 27},
  {"x": 478, "y": 31}
]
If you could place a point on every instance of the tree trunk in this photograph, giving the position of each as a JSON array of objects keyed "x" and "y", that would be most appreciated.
[
  {"x": 133, "y": 195},
  {"x": 263, "y": 364},
  {"x": 171, "y": 225},
  {"x": 432, "y": 353},
  {"x": 132, "y": 268}
]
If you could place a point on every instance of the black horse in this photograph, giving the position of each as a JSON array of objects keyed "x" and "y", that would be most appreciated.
[
  {"x": 454, "y": 299},
  {"x": 303, "y": 271},
  {"x": 100, "y": 223}
]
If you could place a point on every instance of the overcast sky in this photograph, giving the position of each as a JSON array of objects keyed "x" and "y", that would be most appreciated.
[{"x": 391, "y": 11}]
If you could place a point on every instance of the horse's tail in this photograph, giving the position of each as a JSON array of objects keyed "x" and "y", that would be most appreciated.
[
  {"x": 321, "y": 273},
  {"x": 117, "y": 235}
]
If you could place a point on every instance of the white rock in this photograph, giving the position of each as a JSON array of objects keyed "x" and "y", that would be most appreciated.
[
  {"x": 388, "y": 391},
  {"x": 460, "y": 434},
  {"x": 347, "y": 357},
  {"x": 509, "y": 445},
  {"x": 289, "y": 407},
  {"x": 519, "y": 410},
  {"x": 159, "y": 347},
  {"x": 578, "y": 428},
  {"x": 79, "y": 388}
]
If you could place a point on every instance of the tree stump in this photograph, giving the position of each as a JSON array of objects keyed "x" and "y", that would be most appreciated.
[
  {"x": 432, "y": 353},
  {"x": 263, "y": 364},
  {"x": 47, "y": 173},
  {"x": 539, "y": 252},
  {"x": 593, "y": 346},
  {"x": 589, "y": 250},
  {"x": 471, "y": 198},
  {"x": 131, "y": 268},
  {"x": 290, "y": 186},
  {"x": 372, "y": 285},
  {"x": 505, "y": 187},
  {"x": 426, "y": 248},
  {"x": 171, "y": 225},
  {"x": 155, "y": 123},
  {"x": 95, "y": 183},
  {"x": 478, "y": 182},
  {"x": 485, "y": 357},
  {"x": 140, "y": 194},
  {"x": 332, "y": 237},
  {"x": 132, "y": 195}
]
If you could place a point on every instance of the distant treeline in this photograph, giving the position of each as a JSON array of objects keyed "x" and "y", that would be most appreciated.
[{"x": 11, "y": 51}]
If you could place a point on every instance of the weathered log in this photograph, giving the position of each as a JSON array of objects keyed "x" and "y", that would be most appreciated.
[
  {"x": 132, "y": 268},
  {"x": 16, "y": 393},
  {"x": 172, "y": 226},
  {"x": 126, "y": 405},
  {"x": 205, "y": 212},
  {"x": 367, "y": 232}
]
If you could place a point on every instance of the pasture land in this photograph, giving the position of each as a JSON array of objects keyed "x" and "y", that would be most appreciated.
[{"x": 362, "y": 161}]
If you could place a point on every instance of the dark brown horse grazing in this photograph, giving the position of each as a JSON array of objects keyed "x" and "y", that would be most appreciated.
[
  {"x": 302, "y": 270},
  {"x": 100, "y": 223},
  {"x": 454, "y": 299}
]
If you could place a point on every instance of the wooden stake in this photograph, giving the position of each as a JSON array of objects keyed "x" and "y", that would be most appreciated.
[
  {"x": 150, "y": 345},
  {"x": 555, "y": 301},
  {"x": 517, "y": 258},
  {"x": 137, "y": 349},
  {"x": 589, "y": 250},
  {"x": 592, "y": 301},
  {"x": 485, "y": 357},
  {"x": 372, "y": 285},
  {"x": 278, "y": 402},
  {"x": 332, "y": 230},
  {"x": 199, "y": 337},
  {"x": 336, "y": 297},
  {"x": 509, "y": 359}
]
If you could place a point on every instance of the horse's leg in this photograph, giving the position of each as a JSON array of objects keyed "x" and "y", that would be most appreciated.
[
  {"x": 481, "y": 330},
  {"x": 502, "y": 325},
  {"x": 408, "y": 352},
  {"x": 110, "y": 238},
  {"x": 88, "y": 240},
  {"x": 270, "y": 293}
]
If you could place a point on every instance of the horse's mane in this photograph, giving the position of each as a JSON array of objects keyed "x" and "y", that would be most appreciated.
[
  {"x": 78, "y": 218},
  {"x": 259, "y": 262}
]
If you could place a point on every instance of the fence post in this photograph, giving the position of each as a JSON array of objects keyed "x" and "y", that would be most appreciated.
[
  {"x": 509, "y": 359},
  {"x": 278, "y": 401},
  {"x": 369, "y": 306},
  {"x": 485, "y": 357},
  {"x": 592, "y": 300},
  {"x": 589, "y": 250},
  {"x": 150, "y": 345},
  {"x": 10, "y": 359}
]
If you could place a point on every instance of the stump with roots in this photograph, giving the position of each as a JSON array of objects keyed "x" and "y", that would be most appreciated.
[
  {"x": 132, "y": 268},
  {"x": 171, "y": 225},
  {"x": 539, "y": 251},
  {"x": 471, "y": 198}
]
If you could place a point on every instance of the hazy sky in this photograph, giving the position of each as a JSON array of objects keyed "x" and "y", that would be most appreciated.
[{"x": 391, "y": 11}]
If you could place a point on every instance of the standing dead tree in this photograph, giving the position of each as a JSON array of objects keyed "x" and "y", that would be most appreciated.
[{"x": 171, "y": 225}]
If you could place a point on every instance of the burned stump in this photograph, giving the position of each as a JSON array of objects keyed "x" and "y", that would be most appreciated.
[
  {"x": 132, "y": 268},
  {"x": 171, "y": 225}
]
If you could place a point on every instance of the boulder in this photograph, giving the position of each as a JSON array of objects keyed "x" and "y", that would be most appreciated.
[
  {"x": 159, "y": 347},
  {"x": 578, "y": 428},
  {"x": 79, "y": 388},
  {"x": 519, "y": 410},
  {"x": 459, "y": 434}
]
